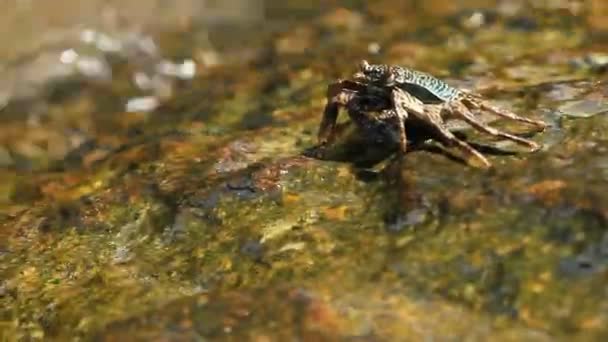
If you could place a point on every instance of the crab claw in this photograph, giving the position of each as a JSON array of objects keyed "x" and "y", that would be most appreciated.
[
  {"x": 360, "y": 75},
  {"x": 363, "y": 65}
]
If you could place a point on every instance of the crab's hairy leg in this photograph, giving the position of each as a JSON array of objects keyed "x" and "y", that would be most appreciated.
[
  {"x": 328, "y": 123},
  {"x": 431, "y": 114},
  {"x": 391, "y": 114},
  {"x": 450, "y": 140},
  {"x": 475, "y": 102},
  {"x": 402, "y": 101},
  {"x": 338, "y": 95},
  {"x": 461, "y": 111},
  {"x": 402, "y": 135}
]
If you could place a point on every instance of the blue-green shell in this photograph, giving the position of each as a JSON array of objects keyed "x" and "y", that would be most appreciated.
[{"x": 423, "y": 86}]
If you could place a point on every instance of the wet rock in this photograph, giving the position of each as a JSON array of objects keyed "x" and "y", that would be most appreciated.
[
  {"x": 336, "y": 213},
  {"x": 549, "y": 191},
  {"x": 565, "y": 91},
  {"x": 253, "y": 249},
  {"x": 243, "y": 188},
  {"x": 318, "y": 318},
  {"x": 598, "y": 12},
  {"x": 258, "y": 179},
  {"x": 296, "y": 42},
  {"x": 3, "y": 289},
  {"x": 522, "y": 24},
  {"x": 277, "y": 229},
  {"x": 592, "y": 261},
  {"x": 207, "y": 201},
  {"x": 584, "y": 108},
  {"x": 595, "y": 62},
  {"x": 76, "y": 155},
  {"x": 236, "y": 156},
  {"x": 342, "y": 18},
  {"x": 122, "y": 255},
  {"x": 5, "y": 158},
  {"x": 255, "y": 120},
  {"x": 475, "y": 19},
  {"x": 149, "y": 220},
  {"x": 24, "y": 191},
  {"x": 533, "y": 74},
  {"x": 405, "y": 221},
  {"x": 407, "y": 53}
]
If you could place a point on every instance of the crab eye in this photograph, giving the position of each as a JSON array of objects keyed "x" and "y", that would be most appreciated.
[{"x": 378, "y": 73}]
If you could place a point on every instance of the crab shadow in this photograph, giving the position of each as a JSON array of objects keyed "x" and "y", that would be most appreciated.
[
  {"x": 404, "y": 206},
  {"x": 367, "y": 152}
]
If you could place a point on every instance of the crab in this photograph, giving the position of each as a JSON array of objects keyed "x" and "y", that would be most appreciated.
[
  {"x": 404, "y": 98},
  {"x": 374, "y": 110},
  {"x": 368, "y": 107}
]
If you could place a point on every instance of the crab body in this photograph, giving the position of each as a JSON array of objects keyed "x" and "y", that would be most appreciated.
[{"x": 425, "y": 87}]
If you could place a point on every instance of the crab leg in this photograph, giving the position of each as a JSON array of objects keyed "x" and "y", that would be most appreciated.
[
  {"x": 450, "y": 140},
  {"x": 328, "y": 123},
  {"x": 432, "y": 115},
  {"x": 402, "y": 134},
  {"x": 401, "y": 101},
  {"x": 463, "y": 112},
  {"x": 477, "y": 103},
  {"x": 338, "y": 95}
]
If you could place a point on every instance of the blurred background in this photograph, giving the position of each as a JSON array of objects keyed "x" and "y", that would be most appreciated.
[
  {"x": 53, "y": 51},
  {"x": 35, "y": 34}
]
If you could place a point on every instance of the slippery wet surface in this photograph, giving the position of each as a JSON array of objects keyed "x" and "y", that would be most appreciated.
[{"x": 160, "y": 185}]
